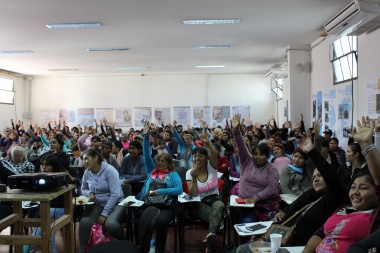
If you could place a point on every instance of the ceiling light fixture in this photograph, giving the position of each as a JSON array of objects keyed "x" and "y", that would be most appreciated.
[
  {"x": 210, "y": 46},
  {"x": 107, "y": 49},
  {"x": 73, "y": 25},
  {"x": 132, "y": 68},
  {"x": 62, "y": 69},
  {"x": 211, "y": 21},
  {"x": 17, "y": 52},
  {"x": 210, "y": 66}
]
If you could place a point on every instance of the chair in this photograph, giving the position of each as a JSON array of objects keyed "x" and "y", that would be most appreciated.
[
  {"x": 190, "y": 220},
  {"x": 147, "y": 225},
  {"x": 188, "y": 164},
  {"x": 127, "y": 191}
]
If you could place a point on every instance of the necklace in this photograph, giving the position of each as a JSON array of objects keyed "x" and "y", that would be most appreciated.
[{"x": 261, "y": 168}]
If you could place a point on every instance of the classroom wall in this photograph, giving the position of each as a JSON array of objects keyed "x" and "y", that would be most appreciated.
[{"x": 152, "y": 91}]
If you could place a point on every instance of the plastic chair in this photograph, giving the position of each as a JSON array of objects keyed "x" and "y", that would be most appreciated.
[{"x": 147, "y": 225}]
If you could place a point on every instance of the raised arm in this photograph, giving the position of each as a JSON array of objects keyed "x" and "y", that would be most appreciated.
[
  {"x": 241, "y": 148},
  {"x": 213, "y": 154},
  {"x": 363, "y": 135},
  {"x": 148, "y": 160}
]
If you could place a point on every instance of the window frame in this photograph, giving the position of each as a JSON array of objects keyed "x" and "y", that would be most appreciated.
[
  {"x": 5, "y": 90},
  {"x": 348, "y": 57}
]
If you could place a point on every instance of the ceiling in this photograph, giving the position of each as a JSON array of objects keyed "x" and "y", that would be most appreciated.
[{"x": 155, "y": 35}]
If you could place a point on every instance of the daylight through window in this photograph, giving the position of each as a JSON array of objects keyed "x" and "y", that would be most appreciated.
[
  {"x": 6, "y": 91},
  {"x": 344, "y": 55}
]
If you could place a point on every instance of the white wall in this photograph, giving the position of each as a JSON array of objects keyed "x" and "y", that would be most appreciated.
[{"x": 154, "y": 91}]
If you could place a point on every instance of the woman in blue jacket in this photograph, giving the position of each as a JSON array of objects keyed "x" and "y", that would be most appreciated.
[{"x": 161, "y": 172}]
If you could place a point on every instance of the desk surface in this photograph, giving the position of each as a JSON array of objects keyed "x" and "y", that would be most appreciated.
[{"x": 34, "y": 195}]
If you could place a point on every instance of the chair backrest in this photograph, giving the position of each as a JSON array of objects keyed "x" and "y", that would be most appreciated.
[
  {"x": 127, "y": 190},
  {"x": 146, "y": 227},
  {"x": 188, "y": 164}
]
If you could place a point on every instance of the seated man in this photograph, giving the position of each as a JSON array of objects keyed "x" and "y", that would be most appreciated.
[{"x": 17, "y": 165}]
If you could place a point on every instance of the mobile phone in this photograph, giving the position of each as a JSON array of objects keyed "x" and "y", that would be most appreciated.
[
  {"x": 129, "y": 203},
  {"x": 255, "y": 227},
  {"x": 188, "y": 197}
]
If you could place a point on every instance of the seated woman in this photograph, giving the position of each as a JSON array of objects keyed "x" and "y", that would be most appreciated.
[
  {"x": 339, "y": 152},
  {"x": 258, "y": 179},
  {"x": 185, "y": 144},
  {"x": 51, "y": 163},
  {"x": 280, "y": 158},
  {"x": 101, "y": 182},
  {"x": 118, "y": 151},
  {"x": 18, "y": 164},
  {"x": 106, "y": 153},
  {"x": 132, "y": 170},
  {"x": 202, "y": 180},
  {"x": 163, "y": 173},
  {"x": 355, "y": 163},
  {"x": 295, "y": 178},
  {"x": 352, "y": 223}
]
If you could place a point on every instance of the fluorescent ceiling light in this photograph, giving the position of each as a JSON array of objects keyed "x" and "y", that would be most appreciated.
[
  {"x": 210, "y": 66},
  {"x": 211, "y": 21},
  {"x": 106, "y": 49},
  {"x": 210, "y": 46},
  {"x": 62, "y": 69},
  {"x": 132, "y": 68},
  {"x": 17, "y": 52},
  {"x": 73, "y": 25}
]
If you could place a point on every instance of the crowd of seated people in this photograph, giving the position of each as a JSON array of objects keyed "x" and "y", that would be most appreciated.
[{"x": 266, "y": 161}]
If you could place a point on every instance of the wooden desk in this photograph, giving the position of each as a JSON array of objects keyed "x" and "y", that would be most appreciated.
[{"x": 48, "y": 226}]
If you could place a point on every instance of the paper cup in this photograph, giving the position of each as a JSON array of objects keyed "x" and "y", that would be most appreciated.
[{"x": 275, "y": 242}]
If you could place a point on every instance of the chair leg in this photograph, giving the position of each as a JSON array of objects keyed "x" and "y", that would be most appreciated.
[
  {"x": 11, "y": 246},
  {"x": 175, "y": 236}
]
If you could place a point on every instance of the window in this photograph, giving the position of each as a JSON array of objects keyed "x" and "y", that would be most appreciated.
[
  {"x": 344, "y": 55},
  {"x": 277, "y": 87},
  {"x": 6, "y": 91}
]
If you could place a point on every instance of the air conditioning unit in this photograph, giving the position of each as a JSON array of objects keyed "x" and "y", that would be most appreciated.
[
  {"x": 358, "y": 17},
  {"x": 276, "y": 73}
]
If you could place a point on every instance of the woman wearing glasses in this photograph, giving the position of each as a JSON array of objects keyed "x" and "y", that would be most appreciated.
[{"x": 160, "y": 173}]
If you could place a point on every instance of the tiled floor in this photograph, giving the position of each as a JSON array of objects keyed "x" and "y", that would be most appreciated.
[{"x": 193, "y": 240}]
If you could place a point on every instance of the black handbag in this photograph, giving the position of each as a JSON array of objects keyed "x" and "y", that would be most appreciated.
[
  {"x": 208, "y": 200},
  {"x": 160, "y": 201}
]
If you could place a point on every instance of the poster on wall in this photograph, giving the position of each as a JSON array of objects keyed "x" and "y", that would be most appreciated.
[
  {"x": 220, "y": 114},
  {"x": 104, "y": 114},
  {"x": 123, "y": 117},
  {"x": 244, "y": 111},
  {"x": 373, "y": 98},
  {"x": 319, "y": 104},
  {"x": 162, "y": 115},
  {"x": 62, "y": 116},
  {"x": 142, "y": 114},
  {"x": 86, "y": 117},
  {"x": 182, "y": 115},
  {"x": 71, "y": 118},
  {"x": 48, "y": 115},
  {"x": 314, "y": 99},
  {"x": 201, "y": 112},
  {"x": 344, "y": 102}
]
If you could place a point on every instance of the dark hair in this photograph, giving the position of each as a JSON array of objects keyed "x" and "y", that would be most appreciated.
[
  {"x": 363, "y": 173},
  {"x": 93, "y": 152},
  {"x": 54, "y": 161},
  {"x": 117, "y": 144},
  {"x": 303, "y": 154},
  {"x": 217, "y": 147},
  {"x": 334, "y": 139},
  {"x": 355, "y": 147},
  {"x": 325, "y": 143},
  {"x": 27, "y": 134},
  {"x": 249, "y": 137},
  {"x": 200, "y": 150},
  {"x": 278, "y": 145},
  {"x": 136, "y": 144},
  {"x": 107, "y": 143},
  {"x": 96, "y": 137},
  {"x": 59, "y": 140},
  {"x": 263, "y": 148}
]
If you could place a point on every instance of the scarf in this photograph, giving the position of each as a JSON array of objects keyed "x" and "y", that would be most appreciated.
[
  {"x": 294, "y": 168},
  {"x": 159, "y": 173}
]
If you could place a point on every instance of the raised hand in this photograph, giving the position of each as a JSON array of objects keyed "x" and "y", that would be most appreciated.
[
  {"x": 307, "y": 145},
  {"x": 146, "y": 128},
  {"x": 317, "y": 126},
  {"x": 236, "y": 122},
  {"x": 363, "y": 132}
]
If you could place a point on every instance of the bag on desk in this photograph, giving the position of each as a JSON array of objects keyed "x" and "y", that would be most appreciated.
[
  {"x": 97, "y": 235},
  {"x": 286, "y": 232}
]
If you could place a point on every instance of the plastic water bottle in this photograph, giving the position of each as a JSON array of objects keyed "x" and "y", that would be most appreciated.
[{"x": 152, "y": 246}]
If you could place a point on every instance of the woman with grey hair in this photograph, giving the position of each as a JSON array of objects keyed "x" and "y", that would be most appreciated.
[{"x": 18, "y": 164}]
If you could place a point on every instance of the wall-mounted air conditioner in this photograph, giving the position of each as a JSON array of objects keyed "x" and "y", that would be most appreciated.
[
  {"x": 358, "y": 17},
  {"x": 276, "y": 73}
]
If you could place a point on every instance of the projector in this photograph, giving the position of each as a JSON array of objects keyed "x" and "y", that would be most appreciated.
[{"x": 38, "y": 180}]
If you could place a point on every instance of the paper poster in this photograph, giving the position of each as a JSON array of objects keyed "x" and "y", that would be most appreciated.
[
  {"x": 48, "y": 115},
  {"x": 201, "y": 112},
  {"x": 123, "y": 117},
  {"x": 244, "y": 111},
  {"x": 220, "y": 114},
  {"x": 104, "y": 114},
  {"x": 373, "y": 98},
  {"x": 86, "y": 117},
  {"x": 71, "y": 119},
  {"x": 182, "y": 115},
  {"x": 162, "y": 115},
  {"x": 142, "y": 114}
]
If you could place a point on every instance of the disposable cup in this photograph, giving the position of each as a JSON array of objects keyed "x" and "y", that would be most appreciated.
[{"x": 275, "y": 242}]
